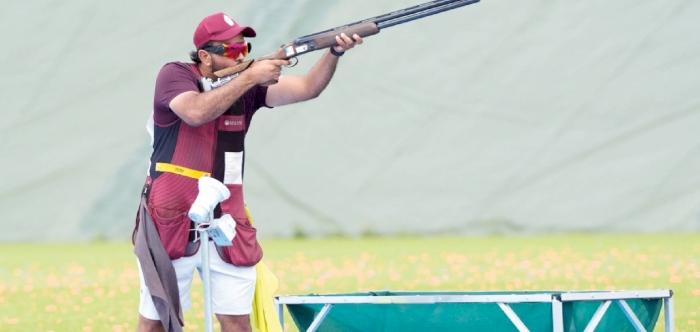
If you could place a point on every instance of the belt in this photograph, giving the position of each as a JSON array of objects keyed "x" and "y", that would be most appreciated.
[{"x": 180, "y": 170}]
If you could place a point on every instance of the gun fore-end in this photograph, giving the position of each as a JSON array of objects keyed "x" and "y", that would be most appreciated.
[{"x": 328, "y": 39}]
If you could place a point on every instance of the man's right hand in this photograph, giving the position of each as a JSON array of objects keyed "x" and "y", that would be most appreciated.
[{"x": 266, "y": 72}]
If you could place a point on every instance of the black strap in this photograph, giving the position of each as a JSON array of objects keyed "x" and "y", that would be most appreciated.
[{"x": 336, "y": 53}]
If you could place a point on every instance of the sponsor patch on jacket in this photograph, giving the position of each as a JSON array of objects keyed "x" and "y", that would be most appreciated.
[{"x": 232, "y": 123}]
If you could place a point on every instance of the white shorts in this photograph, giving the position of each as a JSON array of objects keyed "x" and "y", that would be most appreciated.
[{"x": 232, "y": 287}]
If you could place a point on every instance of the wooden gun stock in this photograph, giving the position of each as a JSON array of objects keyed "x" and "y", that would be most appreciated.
[{"x": 234, "y": 70}]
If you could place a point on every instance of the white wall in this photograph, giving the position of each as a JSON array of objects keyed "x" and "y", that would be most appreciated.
[{"x": 500, "y": 117}]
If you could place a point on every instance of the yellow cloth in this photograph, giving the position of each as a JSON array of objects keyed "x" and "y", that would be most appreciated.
[{"x": 264, "y": 314}]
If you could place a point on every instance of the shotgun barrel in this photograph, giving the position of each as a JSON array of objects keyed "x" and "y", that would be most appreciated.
[{"x": 396, "y": 17}]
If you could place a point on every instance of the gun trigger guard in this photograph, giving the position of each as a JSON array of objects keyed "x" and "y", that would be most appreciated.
[{"x": 296, "y": 61}]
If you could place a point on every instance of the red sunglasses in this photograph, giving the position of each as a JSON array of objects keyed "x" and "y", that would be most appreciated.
[{"x": 232, "y": 50}]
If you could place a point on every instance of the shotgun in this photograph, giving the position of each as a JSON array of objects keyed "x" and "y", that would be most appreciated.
[{"x": 325, "y": 39}]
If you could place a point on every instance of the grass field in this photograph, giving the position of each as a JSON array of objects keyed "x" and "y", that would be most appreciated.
[{"x": 94, "y": 287}]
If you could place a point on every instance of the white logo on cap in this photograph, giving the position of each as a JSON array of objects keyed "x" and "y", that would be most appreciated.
[{"x": 228, "y": 20}]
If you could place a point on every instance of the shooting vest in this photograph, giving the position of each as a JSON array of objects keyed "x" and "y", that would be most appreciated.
[{"x": 181, "y": 155}]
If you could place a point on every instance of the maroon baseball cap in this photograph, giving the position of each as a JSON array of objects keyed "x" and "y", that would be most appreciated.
[{"x": 219, "y": 27}]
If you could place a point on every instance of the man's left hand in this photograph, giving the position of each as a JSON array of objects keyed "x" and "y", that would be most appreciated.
[{"x": 345, "y": 43}]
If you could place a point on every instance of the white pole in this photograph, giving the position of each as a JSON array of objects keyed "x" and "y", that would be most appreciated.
[
  {"x": 206, "y": 280},
  {"x": 211, "y": 193}
]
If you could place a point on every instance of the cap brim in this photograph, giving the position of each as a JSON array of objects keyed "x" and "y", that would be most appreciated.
[{"x": 228, "y": 34}]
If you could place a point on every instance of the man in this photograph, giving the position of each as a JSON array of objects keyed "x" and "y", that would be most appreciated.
[{"x": 201, "y": 133}]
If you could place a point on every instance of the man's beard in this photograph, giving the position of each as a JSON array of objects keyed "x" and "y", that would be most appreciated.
[{"x": 215, "y": 66}]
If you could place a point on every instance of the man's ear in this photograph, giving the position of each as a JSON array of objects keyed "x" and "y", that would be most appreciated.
[{"x": 204, "y": 57}]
